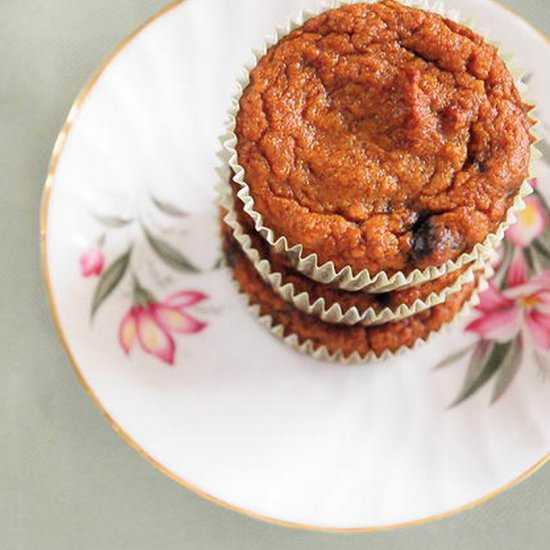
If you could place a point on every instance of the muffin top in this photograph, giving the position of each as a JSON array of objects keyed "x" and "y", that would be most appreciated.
[{"x": 383, "y": 137}]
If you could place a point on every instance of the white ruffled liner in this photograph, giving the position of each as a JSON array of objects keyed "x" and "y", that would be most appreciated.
[
  {"x": 322, "y": 353},
  {"x": 345, "y": 278},
  {"x": 334, "y": 313}
]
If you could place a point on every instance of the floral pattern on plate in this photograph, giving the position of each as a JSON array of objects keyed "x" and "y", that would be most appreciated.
[
  {"x": 151, "y": 322},
  {"x": 513, "y": 316}
]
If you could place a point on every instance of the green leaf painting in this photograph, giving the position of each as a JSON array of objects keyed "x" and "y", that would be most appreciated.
[
  {"x": 168, "y": 254},
  {"x": 169, "y": 208},
  {"x": 112, "y": 221},
  {"x": 508, "y": 370},
  {"x": 110, "y": 280},
  {"x": 452, "y": 359},
  {"x": 486, "y": 361}
]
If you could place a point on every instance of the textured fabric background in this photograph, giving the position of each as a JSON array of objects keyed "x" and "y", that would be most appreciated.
[{"x": 66, "y": 480}]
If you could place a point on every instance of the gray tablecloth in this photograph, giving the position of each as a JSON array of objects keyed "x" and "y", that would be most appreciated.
[{"x": 66, "y": 480}]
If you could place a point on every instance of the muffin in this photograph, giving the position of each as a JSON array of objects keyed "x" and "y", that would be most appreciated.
[
  {"x": 327, "y": 302},
  {"x": 380, "y": 139},
  {"x": 338, "y": 341}
]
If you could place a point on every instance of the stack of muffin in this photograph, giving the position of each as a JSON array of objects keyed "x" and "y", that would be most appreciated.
[{"x": 378, "y": 153}]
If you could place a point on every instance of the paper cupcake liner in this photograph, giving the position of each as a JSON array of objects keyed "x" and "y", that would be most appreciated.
[
  {"x": 322, "y": 353},
  {"x": 333, "y": 313},
  {"x": 326, "y": 272}
]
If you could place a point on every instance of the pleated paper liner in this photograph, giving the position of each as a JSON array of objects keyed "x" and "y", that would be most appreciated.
[
  {"x": 345, "y": 278},
  {"x": 339, "y": 343},
  {"x": 332, "y": 311}
]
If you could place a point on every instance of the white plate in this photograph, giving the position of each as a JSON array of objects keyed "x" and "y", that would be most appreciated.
[{"x": 240, "y": 418}]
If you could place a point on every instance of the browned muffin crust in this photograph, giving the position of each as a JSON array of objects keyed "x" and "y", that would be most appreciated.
[
  {"x": 383, "y": 137},
  {"x": 347, "y": 299},
  {"x": 348, "y": 339}
]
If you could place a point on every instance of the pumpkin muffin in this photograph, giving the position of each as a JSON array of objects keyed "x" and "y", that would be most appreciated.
[
  {"x": 383, "y": 137},
  {"x": 347, "y": 300},
  {"x": 346, "y": 339}
]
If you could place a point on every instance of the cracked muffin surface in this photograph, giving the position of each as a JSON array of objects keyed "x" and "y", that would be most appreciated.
[{"x": 383, "y": 137}]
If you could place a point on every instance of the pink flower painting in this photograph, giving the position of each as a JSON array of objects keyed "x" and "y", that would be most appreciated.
[
  {"x": 532, "y": 222},
  {"x": 513, "y": 316},
  {"x": 92, "y": 262},
  {"x": 153, "y": 324},
  {"x": 522, "y": 308},
  {"x": 149, "y": 323}
]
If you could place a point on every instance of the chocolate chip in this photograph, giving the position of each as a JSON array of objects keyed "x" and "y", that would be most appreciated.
[
  {"x": 383, "y": 299},
  {"x": 387, "y": 208},
  {"x": 434, "y": 239},
  {"x": 231, "y": 250},
  {"x": 474, "y": 160},
  {"x": 417, "y": 219}
]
